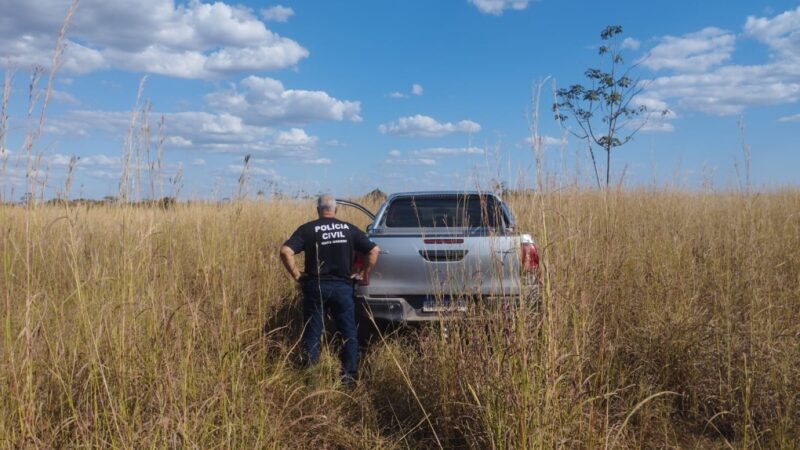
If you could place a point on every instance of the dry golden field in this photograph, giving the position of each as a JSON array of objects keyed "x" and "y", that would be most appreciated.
[{"x": 667, "y": 320}]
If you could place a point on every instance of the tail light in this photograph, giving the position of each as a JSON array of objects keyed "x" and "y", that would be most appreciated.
[
  {"x": 530, "y": 256},
  {"x": 358, "y": 265}
]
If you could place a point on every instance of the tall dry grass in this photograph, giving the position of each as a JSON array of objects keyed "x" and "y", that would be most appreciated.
[{"x": 667, "y": 319}]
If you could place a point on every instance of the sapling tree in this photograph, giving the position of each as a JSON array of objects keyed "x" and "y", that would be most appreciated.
[{"x": 604, "y": 109}]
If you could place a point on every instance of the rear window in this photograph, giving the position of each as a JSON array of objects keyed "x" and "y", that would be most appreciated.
[{"x": 473, "y": 211}]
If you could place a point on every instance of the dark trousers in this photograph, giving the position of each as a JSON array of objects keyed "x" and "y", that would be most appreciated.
[{"x": 337, "y": 297}]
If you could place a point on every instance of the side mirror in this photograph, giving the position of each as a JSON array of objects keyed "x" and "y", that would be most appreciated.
[{"x": 370, "y": 227}]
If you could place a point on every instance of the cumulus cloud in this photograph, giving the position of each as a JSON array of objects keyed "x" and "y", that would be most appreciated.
[
  {"x": 781, "y": 33},
  {"x": 448, "y": 151},
  {"x": 295, "y": 137},
  {"x": 64, "y": 97},
  {"x": 263, "y": 172},
  {"x": 411, "y": 161},
  {"x": 693, "y": 52},
  {"x": 496, "y": 7},
  {"x": 657, "y": 118},
  {"x": 727, "y": 89},
  {"x": 318, "y": 162},
  {"x": 334, "y": 143},
  {"x": 266, "y": 101},
  {"x": 416, "y": 89},
  {"x": 290, "y": 144},
  {"x": 430, "y": 156},
  {"x": 547, "y": 141},
  {"x": 98, "y": 160},
  {"x": 277, "y": 13},
  {"x": 425, "y": 126},
  {"x": 196, "y": 131},
  {"x": 183, "y": 129},
  {"x": 631, "y": 43},
  {"x": 103, "y": 174},
  {"x": 178, "y": 141},
  {"x": 191, "y": 40},
  {"x": 657, "y": 124}
]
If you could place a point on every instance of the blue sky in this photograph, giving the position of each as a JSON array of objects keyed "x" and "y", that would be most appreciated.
[{"x": 350, "y": 96}]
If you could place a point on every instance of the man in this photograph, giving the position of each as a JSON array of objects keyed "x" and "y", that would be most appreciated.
[{"x": 327, "y": 281}]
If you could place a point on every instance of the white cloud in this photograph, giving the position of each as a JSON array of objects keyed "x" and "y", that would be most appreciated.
[
  {"x": 430, "y": 156},
  {"x": 268, "y": 173},
  {"x": 631, "y": 43},
  {"x": 198, "y": 162},
  {"x": 64, "y": 97},
  {"x": 792, "y": 118},
  {"x": 449, "y": 151},
  {"x": 728, "y": 89},
  {"x": 416, "y": 89},
  {"x": 59, "y": 159},
  {"x": 266, "y": 101},
  {"x": 656, "y": 124},
  {"x": 547, "y": 141},
  {"x": 334, "y": 143},
  {"x": 36, "y": 50},
  {"x": 318, "y": 162},
  {"x": 693, "y": 52},
  {"x": 104, "y": 174},
  {"x": 295, "y": 137},
  {"x": 190, "y": 40},
  {"x": 496, "y": 7},
  {"x": 178, "y": 141},
  {"x": 425, "y": 126},
  {"x": 652, "y": 104},
  {"x": 196, "y": 131},
  {"x": 98, "y": 160},
  {"x": 781, "y": 33},
  {"x": 411, "y": 161},
  {"x": 255, "y": 58},
  {"x": 656, "y": 118},
  {"x": 277, "y": 13}
]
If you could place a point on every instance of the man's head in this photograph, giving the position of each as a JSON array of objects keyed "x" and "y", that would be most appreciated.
[{"x": 326, "y": 205}]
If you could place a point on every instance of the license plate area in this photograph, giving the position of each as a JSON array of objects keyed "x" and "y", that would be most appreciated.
[{"x": 443, "y": 304}]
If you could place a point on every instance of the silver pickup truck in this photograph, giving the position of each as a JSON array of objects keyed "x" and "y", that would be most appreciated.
[{"x": 441, "y": 252}]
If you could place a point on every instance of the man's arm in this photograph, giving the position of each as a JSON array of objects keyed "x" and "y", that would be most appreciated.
[
  {"x": 372, "y": 258},
  {"x": 287, "y": 258}
]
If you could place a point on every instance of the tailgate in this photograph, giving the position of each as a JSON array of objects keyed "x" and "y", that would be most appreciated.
[{"x": 445, "y": 264}]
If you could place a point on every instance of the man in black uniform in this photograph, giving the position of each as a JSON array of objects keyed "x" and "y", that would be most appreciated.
[{"x": 327, "y": 282}]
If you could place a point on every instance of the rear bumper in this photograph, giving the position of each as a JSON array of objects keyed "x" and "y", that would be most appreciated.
[{"x": 410, "y": 309}]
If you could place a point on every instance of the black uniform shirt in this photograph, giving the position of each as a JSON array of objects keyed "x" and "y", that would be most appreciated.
[{"x": 328, "y": 244}]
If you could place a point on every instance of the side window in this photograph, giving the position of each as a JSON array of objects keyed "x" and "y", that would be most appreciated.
[{"x": 507, "y": 217}]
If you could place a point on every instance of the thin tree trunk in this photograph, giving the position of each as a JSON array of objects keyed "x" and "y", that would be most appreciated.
[{"x": 594, "y": 163}]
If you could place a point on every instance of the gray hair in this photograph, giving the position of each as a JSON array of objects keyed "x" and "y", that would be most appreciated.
[{"x": 326, "y": 202}]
